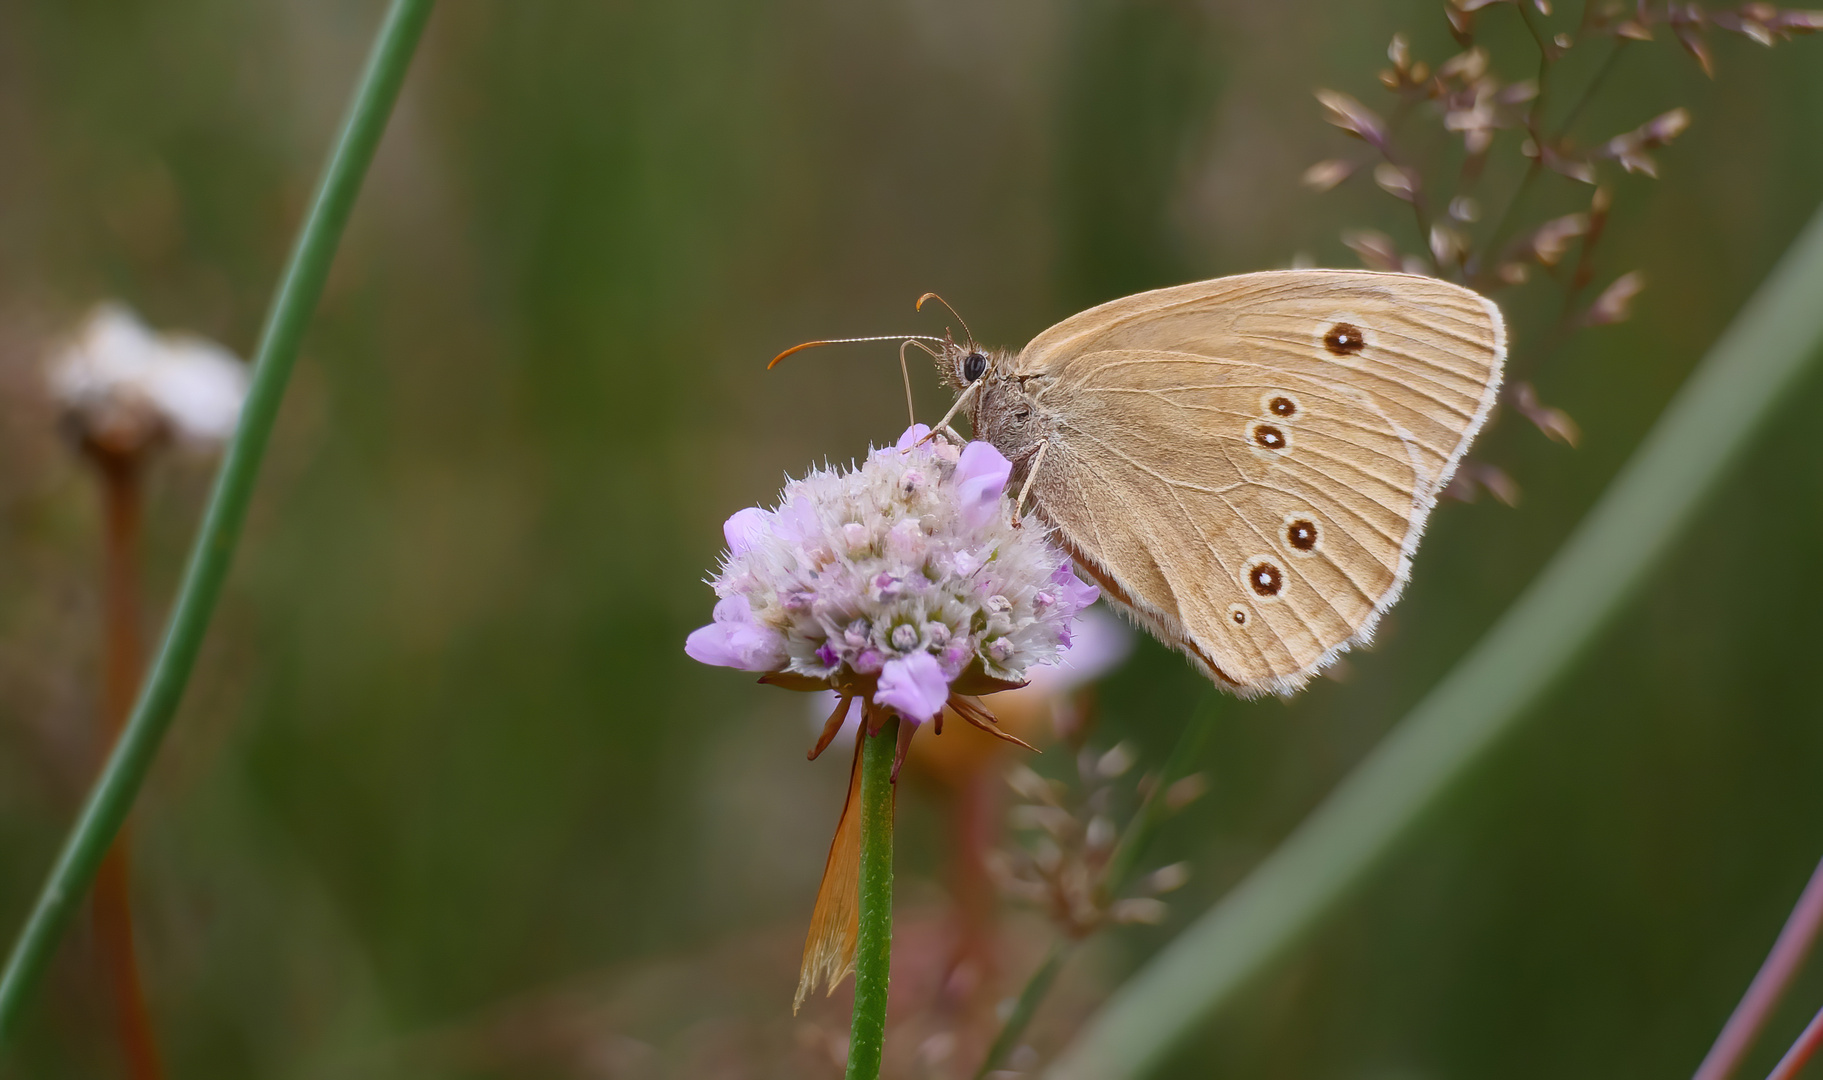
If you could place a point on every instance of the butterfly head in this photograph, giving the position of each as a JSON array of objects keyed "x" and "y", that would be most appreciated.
[
  {"x": 964, "y": 365},
  {"x": 1000, "y": 407}
]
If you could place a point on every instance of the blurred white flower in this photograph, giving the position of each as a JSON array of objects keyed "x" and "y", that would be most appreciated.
[{"x": 124, "y": 386}]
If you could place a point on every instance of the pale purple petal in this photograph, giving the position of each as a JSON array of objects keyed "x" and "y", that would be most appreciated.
[
  {"x": 760, "y": 648},
  {"x": 911, "y": 436},
  {"x": 736, "y": 640},
  {"x": 981, "y": 476},
  {"x": 914, "y": 685},
  {"x": 796, "y": 522},
  {"x": 733, "y": 609},
  {"x": 1073, "y": 593},
  {"x": 744, "y": 528},
  {"x": 710, "y": 645}
]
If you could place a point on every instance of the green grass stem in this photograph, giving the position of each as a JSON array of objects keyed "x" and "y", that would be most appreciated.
[
  {"x": 1026, "y": 1006},
  {"x": 1753, "y": 366},
  {"x": 873, "y": 951},
  {"x": 112, "y": 795},
  {"x": 1187, "y": 751}
]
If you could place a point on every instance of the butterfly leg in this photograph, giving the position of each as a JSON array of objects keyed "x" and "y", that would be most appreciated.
[
  {"x": 943, "y": 424},
  {"x": 911, "y": 407},
  {"x": 1031, "y": 474}
]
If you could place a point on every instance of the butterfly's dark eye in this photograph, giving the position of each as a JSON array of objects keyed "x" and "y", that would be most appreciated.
[{"x": 974, "y": 365}]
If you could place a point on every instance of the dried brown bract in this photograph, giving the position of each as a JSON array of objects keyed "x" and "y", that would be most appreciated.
[
  {"x": 1353, "y": 117},
  {"x": 1615, "y": 302},
  {"x": 1555, "y": 423},
  {"x": 1473, "y": 477},
  {"x": 1376, "y": 249},
  {"x": 1327, "y": 174},
  {"x": 1498, "y": 141},
  {"x": 1629, "y": 148},
  {"x": 1550, "y": 241}
]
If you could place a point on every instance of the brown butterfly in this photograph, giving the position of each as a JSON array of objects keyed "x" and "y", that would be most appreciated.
[{"x": 1245, "y": 464}]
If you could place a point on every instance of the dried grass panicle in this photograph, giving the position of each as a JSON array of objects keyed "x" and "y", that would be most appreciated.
[
  {"x": 1068, "y": 865},
  {"x": 1495, "y": 140}
]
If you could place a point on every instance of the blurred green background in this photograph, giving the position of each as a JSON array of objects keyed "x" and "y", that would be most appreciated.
[{"x": 445, "y": 753}]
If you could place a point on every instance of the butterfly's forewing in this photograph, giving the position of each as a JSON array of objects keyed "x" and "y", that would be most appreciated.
[{"x": 1247, "y": 463}]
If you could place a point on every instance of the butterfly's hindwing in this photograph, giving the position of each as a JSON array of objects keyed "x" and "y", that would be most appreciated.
[{"x": 1249, "y": 461}]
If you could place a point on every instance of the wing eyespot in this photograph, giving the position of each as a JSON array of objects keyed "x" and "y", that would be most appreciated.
[
  {"x": 1271, "y": 437},
  {"x": 1345, "y": 339},
  {"x": 1281, "y": 405},
  {"x": 1238, "y": 615},
  {"x": 1265, "y": 577},
  {"x": 1302, "y": 534}
]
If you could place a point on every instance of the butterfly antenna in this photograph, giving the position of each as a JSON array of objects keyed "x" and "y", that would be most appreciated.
[
  {"x": 952, "y": 311},
  {"x": 847, "y": 341}
]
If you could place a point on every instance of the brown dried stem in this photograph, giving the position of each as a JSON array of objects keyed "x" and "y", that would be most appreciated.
[
  {"x": 1768, "y": 985},
  {"x": 1809, "y": 1042},
  {"x": 1535, "y": 128},
  {"x": 112, "y": 905}
]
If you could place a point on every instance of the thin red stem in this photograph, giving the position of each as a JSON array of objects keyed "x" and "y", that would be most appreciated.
[
  {"x": 1768, "y": 985},
  {"x": 112, "y": 901},
  {"x": 1801, "y": 1051}
]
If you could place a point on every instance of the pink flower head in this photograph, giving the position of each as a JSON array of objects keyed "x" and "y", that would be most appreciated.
[{"x": 893, "y": 580}]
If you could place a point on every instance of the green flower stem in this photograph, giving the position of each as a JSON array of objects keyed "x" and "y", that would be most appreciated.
[
  {"x": 1753, "y": 366},
  {"x": 874, "y": 950},
  {"x": 112, "y": 795}
]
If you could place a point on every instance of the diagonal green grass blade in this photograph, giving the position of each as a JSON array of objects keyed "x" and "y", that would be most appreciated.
[
  {"x": 112, "y": 795},
  {"x": 1734, "y": 390}
]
